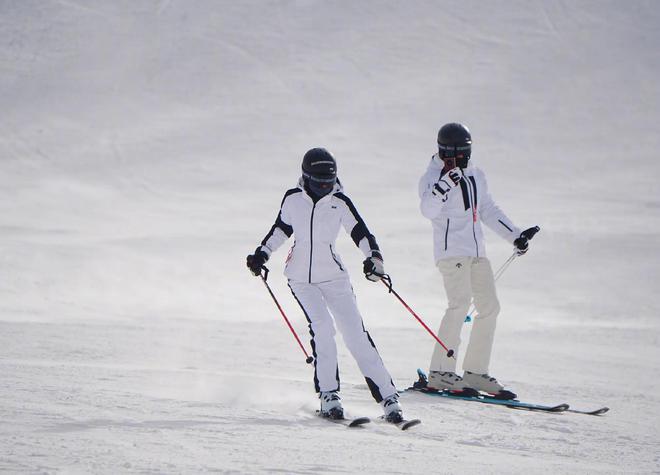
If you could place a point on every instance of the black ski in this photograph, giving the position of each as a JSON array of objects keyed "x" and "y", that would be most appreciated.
[
  {"x": 595, "y": 412},
  {"x": 356, "y": 422},
  {"x": 405, "y": 424}
]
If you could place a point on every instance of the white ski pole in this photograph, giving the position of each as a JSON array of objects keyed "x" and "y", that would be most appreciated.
[
  {"x": 528, "y": 234},
  {"x": 498, "y": 274}
]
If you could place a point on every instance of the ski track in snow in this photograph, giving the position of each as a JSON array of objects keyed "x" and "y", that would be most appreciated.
[
  {"x": 182, "y": 410},
  {"x": 145, "y": 147}
]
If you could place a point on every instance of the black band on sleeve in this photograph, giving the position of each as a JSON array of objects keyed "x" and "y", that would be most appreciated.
[
  {"x": 360, "y": 230},
  {"x": 286, "y": 228}
]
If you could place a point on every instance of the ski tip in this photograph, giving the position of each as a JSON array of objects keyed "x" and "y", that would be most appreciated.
[
  {"x": 359, "y": 421},
  {"x": 421, "y": 373},
  {"x": 532, "y": 407},
  {"x": 405, "y": 425},
  {"x": 356, "y": 422},
  {"x": 596, "y": 412}
]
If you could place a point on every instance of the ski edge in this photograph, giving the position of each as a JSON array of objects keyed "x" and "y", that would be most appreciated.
[{"x": 407, "y": 424}]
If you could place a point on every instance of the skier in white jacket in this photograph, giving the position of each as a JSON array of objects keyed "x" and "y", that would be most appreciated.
[
  {"x": 313, "y": 212},
  {"x": 454, "y": 196}
]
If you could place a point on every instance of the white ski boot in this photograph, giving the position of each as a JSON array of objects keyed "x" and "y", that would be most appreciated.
[
  {"x": 392, "y": 409},
  {"x": 446, "y": 381},
  {"x": 487, "y": 384},
  {"x": 331, "y": 405}
]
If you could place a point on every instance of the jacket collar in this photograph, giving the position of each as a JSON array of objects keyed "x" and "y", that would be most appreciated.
[{"x": 338, "y": 188}]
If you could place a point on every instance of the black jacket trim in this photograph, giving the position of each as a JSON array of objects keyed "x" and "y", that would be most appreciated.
[
  {"x": 474, "y": 187},
  {"x": 466, "y": 196},
  {"x": 360, "y": 230},
  {"x": 286, "y": 228}
]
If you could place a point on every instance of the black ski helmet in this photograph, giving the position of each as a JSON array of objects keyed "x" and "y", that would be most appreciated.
[
  {"x": 455, "y": 142},
  {"x": 319, "y": 170}
]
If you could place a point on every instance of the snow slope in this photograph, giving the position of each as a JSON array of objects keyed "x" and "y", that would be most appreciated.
[{"x": 145, "y": 147}]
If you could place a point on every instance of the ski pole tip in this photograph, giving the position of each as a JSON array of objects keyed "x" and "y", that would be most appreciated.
[
  {"x": 450, "y": 354},
  {"x": 309, "y": 360}
]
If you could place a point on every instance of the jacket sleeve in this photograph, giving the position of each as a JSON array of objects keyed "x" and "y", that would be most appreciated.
[
  {"x": 494, "y": 217},
  {"x": 431, "y": 205},
  {"x": 281, "y": 230},
  {"x": 356, "y": 227}
]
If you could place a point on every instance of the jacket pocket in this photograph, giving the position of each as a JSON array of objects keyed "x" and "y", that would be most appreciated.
[
  {"x": 446, "y": 234},
  {"x": 334, "y": 258},
  {"x": 290, "y": 255}
]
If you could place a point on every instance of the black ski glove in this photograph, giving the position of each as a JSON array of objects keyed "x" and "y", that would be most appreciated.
[
  {"x": 373, "y": 269},
  {"x": 256, "y": 261},
  {"x": 521, "y": 243},
  {"x": 448, "y": 181}
]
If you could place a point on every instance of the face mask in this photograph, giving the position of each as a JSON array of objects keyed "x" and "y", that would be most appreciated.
[
  {"x": 319, "y": 185},
  {"x": 455, "y": 158}
]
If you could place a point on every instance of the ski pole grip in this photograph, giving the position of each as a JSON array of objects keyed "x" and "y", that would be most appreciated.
[{"x": 530, "y": 233}]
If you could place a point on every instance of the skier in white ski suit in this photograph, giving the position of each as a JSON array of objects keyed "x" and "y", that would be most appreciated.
[
  {"x": 454, "y": 196},
  {"x": 313, "y": 212}
]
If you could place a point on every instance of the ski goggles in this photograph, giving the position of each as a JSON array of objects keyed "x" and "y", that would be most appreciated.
[
  {"x": 322, "y": 181},
  {"x": 453, "y": 151}
]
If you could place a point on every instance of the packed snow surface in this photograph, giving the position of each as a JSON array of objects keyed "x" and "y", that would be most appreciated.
[{"x": 145, "y": 147}]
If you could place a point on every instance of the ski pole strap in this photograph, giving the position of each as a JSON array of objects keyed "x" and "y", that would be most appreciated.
[
  {"x": 388, "y": 282},
  {"x": 265, "y": 274}
]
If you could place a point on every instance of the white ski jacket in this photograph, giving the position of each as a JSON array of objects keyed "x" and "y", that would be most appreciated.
[
  {"x": 457, "y": 216},
  {"x": 313, "y": 258}
]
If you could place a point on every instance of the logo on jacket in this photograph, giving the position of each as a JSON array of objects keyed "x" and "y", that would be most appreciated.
[{"x": 459, "y": 265}]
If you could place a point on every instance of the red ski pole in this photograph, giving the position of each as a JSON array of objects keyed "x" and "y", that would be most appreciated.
[
  {"x": 264, "y": 276},
  {"x": 388, "y": 283}
]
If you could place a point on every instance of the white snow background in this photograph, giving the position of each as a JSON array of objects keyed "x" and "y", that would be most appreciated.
[{"x": 145, "y": 147}]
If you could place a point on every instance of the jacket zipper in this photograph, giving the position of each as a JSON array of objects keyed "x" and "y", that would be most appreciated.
[
  {"x": 474, "y": 214},
  {"x": 334, "y": 258},
  {"x": 446, "y": 233},
  {"x": 311, "y": 242}
]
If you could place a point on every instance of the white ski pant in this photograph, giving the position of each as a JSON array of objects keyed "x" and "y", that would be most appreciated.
[
  {"x": 466, "y": 278},
  {"x": 320, "y": 303}
]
